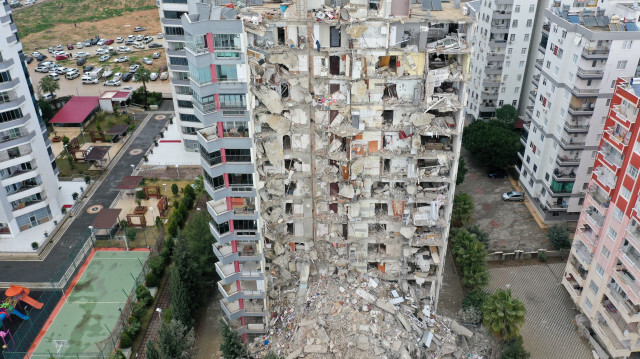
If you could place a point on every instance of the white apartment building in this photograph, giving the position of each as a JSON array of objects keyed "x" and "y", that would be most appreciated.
[
  {"x": 170, "y": 13},
  {"x": 28, "y": 196},
  {"x": 501, "y": 51},
  {"x": 583, "y": 50}
]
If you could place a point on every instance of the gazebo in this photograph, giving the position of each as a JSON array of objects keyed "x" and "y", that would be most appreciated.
[
  {"x": 105, "y": 225},
  {"x": 129, "y": 184}
]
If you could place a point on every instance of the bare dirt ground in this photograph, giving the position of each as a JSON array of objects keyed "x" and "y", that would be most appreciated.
[{"x": 109, "y": 28}]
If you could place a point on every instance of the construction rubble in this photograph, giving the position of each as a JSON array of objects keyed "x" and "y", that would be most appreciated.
[{"x": 361, "y": 316}]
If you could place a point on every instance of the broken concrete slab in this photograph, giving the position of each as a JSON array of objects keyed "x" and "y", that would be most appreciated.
[
  {"x": 316, "y": 349},
  {"x": 269, "y": 98},
  {"x": 456, "y": 327},
  {"x": 386, "y": 306},
  {"x": 366, "y": 295}
]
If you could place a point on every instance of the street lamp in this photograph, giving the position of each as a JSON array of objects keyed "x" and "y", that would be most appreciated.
[
  {"x": 178, "y": 169},
  {"x": 133, "y": 168},
  {"x": 93, "y": 235},
  {"x": 66, "y": 147},
  {"x": 165, "y": 190}
]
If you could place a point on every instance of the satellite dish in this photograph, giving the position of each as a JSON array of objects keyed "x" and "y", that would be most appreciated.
[{"x": 344, "y": 15}]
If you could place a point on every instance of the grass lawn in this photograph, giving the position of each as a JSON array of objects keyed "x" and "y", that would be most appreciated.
[
  {"x": 80, "y": 168},
  {"x": 44, "y": 16},
  {"x": 106, "y": 121}
]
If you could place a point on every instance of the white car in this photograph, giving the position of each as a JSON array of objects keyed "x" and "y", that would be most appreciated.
[
  {"x": 48, "y": 96},
  {"x": 139, "y": 37},
  {"x": 160, "y": 35},
  {"x": 112, "y": 83},
  {"x": 71, "y": 75},
  {"x": 42, "y": 69},
  {"x": 89, "y": 80},
  {"x": 139, "y": 28},
  {"x": 29, "y": 2},
  {"x": 62, "y": 70},
  {"x": 101, "y": 51},
  {"x": 134, "y": 68},
  {"x": 104, "y": 58},
  {"x": 79, "y": 45},
  {"x": 156, "y": 55},
  {"x": 54, "y": 76},
  {"x": 117, "y": 76},
  {"x": 81, "y": 54},
  {"x": 146, "y": 60},
  {"x": 60, "y": 53},
  {"x": 122, "y": 59},
  {"x": 127, "y": 88},
  {"x": 123, "y": 49},
  {"x": 101, "y": 42},
  {"x": 153, "y": 76},
  {"x": 119, "y": 39},
  {"x": 137, "y": 45},
  {"x": 72, "y": 70},
  {"x": 164, "y": 75},
  {"x": 59, "y": 48},
  {"x": 35, "y": 54},
  {"x": 131, "y": 37}
]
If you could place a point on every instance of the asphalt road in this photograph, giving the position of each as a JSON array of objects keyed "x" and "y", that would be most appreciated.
[{"x": 42, "y": 271}]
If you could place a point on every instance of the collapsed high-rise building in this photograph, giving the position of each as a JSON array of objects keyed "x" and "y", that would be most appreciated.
[{"x": 331, "y": 140}]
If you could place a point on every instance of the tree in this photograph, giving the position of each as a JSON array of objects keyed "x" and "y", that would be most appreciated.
[
  {"x": 200, "y": 240},
  {"x": 559, "y": 237},
  {"x": 47, "y": 110},
  {"x": 462, "y": 171},
  {"x": 65, "y": 140},
  {"x": 190, "y": 192},
  {"x": 481, "y": 235},
  {"x": 143, "y": 74},
  {"x": 492, "y": 143},
  {"x": 186, "y": 286},
  {"x": 175, "y": 340},
  {"x": 231, "y": 346},
  {"x": 471, "y": 259},
  {"x": 462, "y": 209},
  {"x": 503, "y": 314},
  {"x": 174, "y": 189},
  {"x": 48, "y": 85},
  {"x": 507, "y": 114},
  {"x": 199, "y": 184},
  {"x": 515, "y": 350}
]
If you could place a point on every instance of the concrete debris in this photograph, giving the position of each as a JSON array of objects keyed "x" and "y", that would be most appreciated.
[
  {"x": 287, "y": 59},
  {"x": 350, "y": 317},
  {"x": 356, "y": 30},
  {"x": 421, "y": 119},
  {"x": 278, "y": 123},
  {"x": 269, "y": 98},
  {"x": 274, "y": 152}
]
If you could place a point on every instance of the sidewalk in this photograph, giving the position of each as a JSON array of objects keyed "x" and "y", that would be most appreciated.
[{"x": 156, "y": 320}]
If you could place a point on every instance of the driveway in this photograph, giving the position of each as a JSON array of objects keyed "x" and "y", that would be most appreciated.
[
  {"x": 548, "y": 331},
  {"x": 510, "y": 225}
]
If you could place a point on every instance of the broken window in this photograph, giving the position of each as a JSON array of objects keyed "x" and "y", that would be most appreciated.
[
  {"x": 385, "y": 62},
  {"x": 377, "y": 228},
  {"x": 373, "y": 4},
  {"x": 286, "y": 142},
  {"x": 387, "y": 117},
  {"x": 290, "y": 231},
  {"x": 333, "y": 88},
  {"x": 334, "y": 36},
  {"x": 293, "y": 164},
  {"x": 376, "y": 248},
  {"x": 381, "y": 209},
  {"x": 389, "y": 92},
  {"x": 423, "y": 162},
  {"x": 288, "y": 208},
  {"x": 386, "y": 167},
  {"x": 290, "y": 188},
  {"x": 281, "y": 36},
  {"x": 334, "y": 189},
  {"x": 284, "y": 90},
  {"x": 334, "y": 65}
]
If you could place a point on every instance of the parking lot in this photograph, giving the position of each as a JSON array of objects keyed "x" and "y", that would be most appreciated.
[{"x": 510, "y": 225}]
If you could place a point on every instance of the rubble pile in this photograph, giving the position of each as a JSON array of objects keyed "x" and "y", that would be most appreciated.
[{"x": 362, "y": 317}]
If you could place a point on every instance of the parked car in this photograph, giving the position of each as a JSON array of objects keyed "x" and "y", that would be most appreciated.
[
  {"x": 154, "y": 45},
  {"x": 54, "y": 76},
  {"x": 137, "y": 45},
  {"x": 127, "y": 88},
  {"x": 127, "y": 77},
  {"x": 79, "y": 45},
  {"x": 104, "y": 58},
  {"x": 164, "y": 75},
  {"x": 123, "y": 49},
  {"x": 59, "y": 48},
  {"x": 513, "y": 196},
  {"x": 62, "y": 70},
  {"x": 28, "y": 59},
  {"x": 71, "y": 75},
  {"x": 117, "y": 76},
  {"x": 134, "y": 68},
  {"x": 48, "y": 96},
  {"x": 51, "y": 50},
  {"x": 29, "y": 2},
  {"x": 119, "y": 39},
  {"x": 89, "y": 80},
  {"x": 160, "y": 35},
  {"x": 131, "y": 37},
  {"x": 156, "y": 55},
  {"x": 147, "y": 39},
  {"x": 94, "y": 41},
  {"x": 101, "y": 51},
  {"x": 129, "y": 42},
  {"x": 81, "y": 54},
  {"x": 498, "y": 173},
  {"x": 87, "y": 68},
  {"x": 108, "y": 42},
  {"x": 101, "y": 42},
  {"x": 87, "y": 43},
  {"x": 81, "y": 62},
  {"x": 139, "y": 37},
  {"x": 153, "y": 76},
  {"x": 72, "y": 70},
  {"x": 35, "y": 54},
  {"x": 139, "y": 28},
  {"x": 42, "y": 69},
  {"x": 69, "y": 46},
  {"x": 62, "y": 57},
  {"x": 112, "y": 83},
  {"x": 122, "y": 59}
]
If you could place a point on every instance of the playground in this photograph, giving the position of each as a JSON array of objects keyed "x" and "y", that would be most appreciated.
[{"x": 81, "y": 323}]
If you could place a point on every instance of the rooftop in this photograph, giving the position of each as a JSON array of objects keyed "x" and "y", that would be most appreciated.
[
  {"x": 130, "y": 182},
  {"x": 596, "y": 20},
  {"x": 106, "y": 219},
  {"x": 77, "y": 110}
]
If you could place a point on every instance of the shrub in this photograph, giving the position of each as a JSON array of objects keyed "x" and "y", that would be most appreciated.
[
  {"x": 156, "y": 263},
  {"x": 75, "y": 196},
  {"x": 130, "y": 232},
  {"x": 174, "y": 189},
  {"x": 138, "y": 310},
  {"x": 173, "y": 227},
  {"x": 63, "y": 210},
  {"x": 143, "y": 295},
  {"x": 65, "y": 140},
  {"x": 87, "y": 179},
  {"x": 190, "y": 192},
  {"x": 462, "y": 209},
  {"x": 133, "y": 319},
  {"x": 542, "y": 256},
  {"x": 474, "y": 299},
  {"x": 187, "y": 202},
  {"x": 559, "y": 237},
  {"x": 152, "y": 280},
  {"x": 133, "y": 329},
  {"x": 515, "y": 350},
  {"x": 159, "y": 224},
  {"x": 167, "y": 315},
  {"x": 34, "y": 245},
  {"x": 125, "y": 340}
]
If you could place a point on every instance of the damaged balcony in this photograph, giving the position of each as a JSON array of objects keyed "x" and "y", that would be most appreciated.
[
  {"x": 246, "y": 271},
  {"x": 234, "y": 311},
  {"x": 230, "y": 208},
  {"x": 248, "y": 290},
  {"x": 630, "y": 311},
  {"x": 427, "y": 236},
  {"x": 224, "y": 235},
  {"x": 252, "y": 325},
  {"x": 246, "y": 252},
  {"x": 430, "y": 215}
]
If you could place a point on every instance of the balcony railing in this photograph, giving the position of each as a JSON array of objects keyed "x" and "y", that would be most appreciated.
[
  {"x": 582, "y": 252},
  {"x": 595, "y": 217}
]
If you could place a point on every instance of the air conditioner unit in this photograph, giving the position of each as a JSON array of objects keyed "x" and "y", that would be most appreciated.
[{"x": 560, "y": 40}]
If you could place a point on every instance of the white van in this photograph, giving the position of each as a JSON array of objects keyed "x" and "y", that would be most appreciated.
[
  {"x": 71, "y": 75},
  {"x": 137, "y": 45},
  {"x": 89, "y": 80}
]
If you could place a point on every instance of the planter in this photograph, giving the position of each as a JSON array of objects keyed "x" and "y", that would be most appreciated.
[
  {"x": 56, "y": 139},
  {"x": 140, "y": 210}
]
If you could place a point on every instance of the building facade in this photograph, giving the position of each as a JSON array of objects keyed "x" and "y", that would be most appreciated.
[
  {"x": 170, "y": 13},
  {"x": 583, "y": 50},
  {"x": 603, "y": 265},
  {"x": 505, "y": 31},
  {"x": 330, "y": 143},
  {"x": 28, "y": 172}
]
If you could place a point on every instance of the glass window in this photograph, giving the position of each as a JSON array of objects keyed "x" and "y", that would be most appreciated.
[
  {"x": 226, "y": 41},
  {"x": 593, "y": 287},
  {"x": 201, "y": 75},
  {"x": 238, "y": 155}
]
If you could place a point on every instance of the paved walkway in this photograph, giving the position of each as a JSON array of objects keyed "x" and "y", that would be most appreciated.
[
  {"x": 41, "y": 271},
  {"x": 548, "y": 331},
  {"x": 451, "y": 293},
  {"x": 156, "y": 320}
]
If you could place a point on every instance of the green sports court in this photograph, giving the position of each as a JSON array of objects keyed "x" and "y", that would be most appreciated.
[{"x": 92, "y": 305}]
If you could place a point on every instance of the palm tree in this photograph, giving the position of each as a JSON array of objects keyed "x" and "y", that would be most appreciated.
[
  {"x": 471, "y": 259},
  {"x": 48, "y": 85},
  {"x": 144, "y": 75},
  {"x": 503, "y": 314},
  {"x": 462, "y": 209}
]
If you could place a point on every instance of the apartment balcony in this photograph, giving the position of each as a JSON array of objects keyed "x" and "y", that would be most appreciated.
[
  {"x": 573, "y": 283},
  {"x": 230, "y": 292},
  {"x": 599, "y": 53},
  {"x": 4, "y": 65},
  {"x": 576, "y": 128},
  {"x": 584, "y": 255},
  {"x": 220, "y": 169},
  {"x": 578, "y": 269},
  {"x": 622, "y": 113},
  {"x": 245, "y": 253},
  {"x": 489, "y": 95},
  {"x": 493, "y": 70},
  {"x": 220, "y": 212},
  {"x": 211, "y": 142},
  {"x": 249, "y": 328},
  {"x": 565, "y": 161},
  {"x": 580, "y": 111},
  {"x": 594, "y": 216},
  {"x": 629, "y": 311},
  {"x": 239, "y": 190},
  {"x": 495, "y": 57},
  {"x": 236, "y": 235},
  {"x": 536, "y": 80},
  {"x": 546, "y": 28},
  {"x": 581, "y": 92},
  {"x": 564, "y": 176},
  {"x": 529, "y": 111},
  {"x": 616, "y": 321},
  {"x": 15, "y": 123},
  {"x": 599, "y": 197},
  {"x": 631, "y": 258},
  {"x": 571, "y": 144},
  {"x": 501, "y": 14},
  {"x": 557, "y": 207},
  {"x": 588, "y": 235},
  {"x": 7, "y": 85},
  {"x": 619, "y": 138},
  {"x": 247, "y": 271},
  {"x": 7, "y": 142},
  {"x": 539, "y": 64},
  {"x": 612, "y": 157},
  {"x": 29, "y": 206},
  {"x": 590, "y": 74},
  {"x": 627, "y": 281},
  {"x": 233, "y": 311},
  {"x": 608, "y": 338},
  {"x": 26, "y": 191},
  {"x": 633, "y": 233}
]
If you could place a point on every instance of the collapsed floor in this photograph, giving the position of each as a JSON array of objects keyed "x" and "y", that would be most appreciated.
[{"x": 361, "y": 316}]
